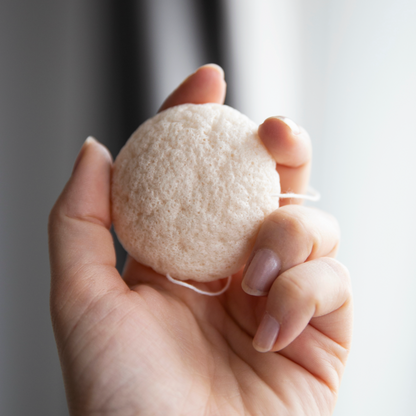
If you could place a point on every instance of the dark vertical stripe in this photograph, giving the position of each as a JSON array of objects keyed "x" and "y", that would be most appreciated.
[
  {"x": 130, "y": 80},
  {"x": 213, "y": 24},
  {"x": 131, "y": 86}
]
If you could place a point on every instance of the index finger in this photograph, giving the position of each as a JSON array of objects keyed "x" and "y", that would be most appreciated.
[{"x": 291, "y": 148}]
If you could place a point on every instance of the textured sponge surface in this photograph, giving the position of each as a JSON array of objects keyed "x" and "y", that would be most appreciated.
[{"x": 190, "y": 190}]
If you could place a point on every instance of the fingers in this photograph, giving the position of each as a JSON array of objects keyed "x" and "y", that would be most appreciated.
[
  {"x": 290, "y": 146},
  {"x": 206, "y": 85},
  {"x": 81, "y": 247},
  {"x": 312, "y": 289},
  {"x": 289, "y": 236}
]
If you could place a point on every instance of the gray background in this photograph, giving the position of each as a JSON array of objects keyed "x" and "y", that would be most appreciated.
[{"x": 344, "y": 69}]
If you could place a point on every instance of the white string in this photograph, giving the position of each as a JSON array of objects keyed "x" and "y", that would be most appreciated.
[
  {"x": 312, "y": 195},
  {"x": 202, "y": 292}
]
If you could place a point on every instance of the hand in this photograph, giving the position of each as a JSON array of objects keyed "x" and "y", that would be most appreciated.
[{"x": 140, "y": 345}]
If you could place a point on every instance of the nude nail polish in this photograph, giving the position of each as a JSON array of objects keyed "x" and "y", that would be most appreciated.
[
  {"x": 261, "y": 272},
  {"x": 88, "y": 141},
  {"x": 214, "y": 66},
  {"x": 266, "y": 334},
  {"x": 293, "y": 126}
]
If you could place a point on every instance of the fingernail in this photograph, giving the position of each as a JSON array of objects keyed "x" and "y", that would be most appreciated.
[
  {"x": 214, "y": 66},
  {"x": 81, "y": 153},
  {"x": 293, "y": 126},
  {"x": 261, "y": 272},
  {"x": 266, "y": 334}
]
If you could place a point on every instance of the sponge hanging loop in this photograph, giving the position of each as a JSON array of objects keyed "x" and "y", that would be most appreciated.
[
  {"x": 195, "y": 289},
  {"x": 311, "y": 195}
]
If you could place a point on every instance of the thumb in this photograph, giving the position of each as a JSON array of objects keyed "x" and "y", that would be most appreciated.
[{"x": 81, "y": 247}]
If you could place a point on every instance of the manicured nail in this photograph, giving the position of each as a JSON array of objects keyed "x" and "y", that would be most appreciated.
[
  {"x": 98, "y": 147},
  {"x": 87, "y": 142},
  {"x": 293, "y": 126},
  {"x": 266, "y": 334},
  {"x": 214, "y": 66},
  {"x": 261, "y": 272}
]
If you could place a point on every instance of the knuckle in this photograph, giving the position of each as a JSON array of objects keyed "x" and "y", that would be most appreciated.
[
  {"x": 291, "y": 220},
  {"x": 314, "y": 231},
  {"x": 340, "y": 271},
  {"x": 294, "y": 289},
  {"x": 338, "y": 267}
]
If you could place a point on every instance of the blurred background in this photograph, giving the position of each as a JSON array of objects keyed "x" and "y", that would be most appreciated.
[{"x": 343, "y": 69}]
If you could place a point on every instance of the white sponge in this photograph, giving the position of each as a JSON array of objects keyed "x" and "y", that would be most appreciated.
[{"x": 191, "y": 189}]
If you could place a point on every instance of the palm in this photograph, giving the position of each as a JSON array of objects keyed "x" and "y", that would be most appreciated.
[{"x": 167, "y": 349}]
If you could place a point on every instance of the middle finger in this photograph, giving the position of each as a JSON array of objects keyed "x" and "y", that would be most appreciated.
[{"x": 289, "y": 236}]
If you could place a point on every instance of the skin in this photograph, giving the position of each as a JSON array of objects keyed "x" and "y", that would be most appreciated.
[{"x": 139, "y": 345}]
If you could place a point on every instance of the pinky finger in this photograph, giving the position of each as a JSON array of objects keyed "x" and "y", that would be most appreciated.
[{"x": 317, "y": 288}]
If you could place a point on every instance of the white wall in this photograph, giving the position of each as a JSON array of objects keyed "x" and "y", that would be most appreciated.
[
  {"x": 265, "y": 57},
  {"x": 346, "y": 70},
  {"x": 366, "y": 169}
]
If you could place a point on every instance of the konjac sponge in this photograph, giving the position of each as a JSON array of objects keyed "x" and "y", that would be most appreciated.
[{"x": 191, "y": 189}]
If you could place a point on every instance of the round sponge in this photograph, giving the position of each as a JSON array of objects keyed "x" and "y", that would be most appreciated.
[{"x": 191, "y": 189}]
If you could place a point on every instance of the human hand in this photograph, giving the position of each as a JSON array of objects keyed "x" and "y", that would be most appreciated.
[{"x": 138, "y": 344}]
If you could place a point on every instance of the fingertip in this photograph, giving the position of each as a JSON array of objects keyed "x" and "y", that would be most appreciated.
[
  {"x": 294, "y": 128},
  {"x": 280, "y": 124},
  {"x": 209, "y": 80},
  {"x": 288, "y": 143},
  {"x": 92, "y": 141},
  {"x": 266, "y": 334},
  {"x": 87, "y": 193},
  {"x": 98, "y": 147},
  {"x": 261, "y": 271},
  {"x": 205, "y": 85},
  {"x": 211, "y": 67},
  {"x": 103, "y": 149}
]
